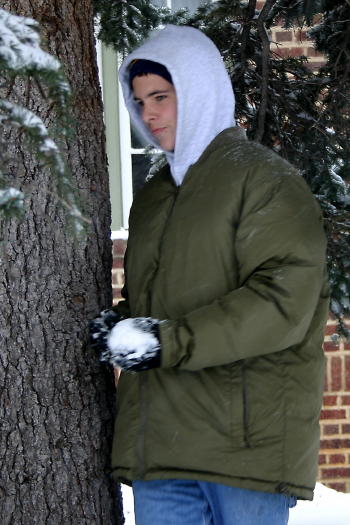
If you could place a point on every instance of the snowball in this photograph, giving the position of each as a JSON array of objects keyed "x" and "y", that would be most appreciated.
[{"x": 126, "y": 337}]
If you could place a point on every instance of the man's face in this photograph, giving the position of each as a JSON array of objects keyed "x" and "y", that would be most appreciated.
[{"x": 157, "y": 98}]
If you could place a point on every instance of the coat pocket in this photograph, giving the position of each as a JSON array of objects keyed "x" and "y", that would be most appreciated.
[
  {"x": 245, "y": 409},
  {"x": 263, "y": 401},
  {"x": 239, "y": 410}
]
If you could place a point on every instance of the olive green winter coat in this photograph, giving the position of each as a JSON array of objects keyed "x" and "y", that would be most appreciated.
[{"x": 234, "y": 260}]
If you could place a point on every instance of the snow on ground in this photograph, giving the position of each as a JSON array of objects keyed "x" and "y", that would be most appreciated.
[
  {"x": 329, "y": 507},
  {"x": 128, "y": 505}
]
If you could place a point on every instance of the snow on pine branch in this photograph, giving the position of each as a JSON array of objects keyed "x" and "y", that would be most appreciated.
[
  {"x": 21, "y": 56},
  {"x": 12, "y": 199},
  {"x": 24, "y": 118},
  {"x": 20, "y": 45}
]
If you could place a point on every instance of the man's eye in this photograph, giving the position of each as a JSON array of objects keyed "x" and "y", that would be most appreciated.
[{"x": 159, "y": 98}]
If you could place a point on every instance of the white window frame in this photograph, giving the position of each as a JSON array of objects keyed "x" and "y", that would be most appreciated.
[{"x": 126, "y": 152}]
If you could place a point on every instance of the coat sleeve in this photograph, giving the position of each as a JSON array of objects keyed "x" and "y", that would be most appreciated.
[{"x": 280, "y": 249}]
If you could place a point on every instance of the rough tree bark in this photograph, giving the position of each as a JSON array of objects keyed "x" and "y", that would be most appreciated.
[{"x": 56, "y": 400}]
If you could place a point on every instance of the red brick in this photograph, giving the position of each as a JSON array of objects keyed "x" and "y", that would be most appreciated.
[
  {"x": 118, "y": 262},
  {"x": 297, "y": 51},
  {"x": 330, "y": 429},
  {"x": 311, "y": 52},
  {"x": 116, "y": 295},
  {"x": 338, "y": 472},
  {"x": 334, "y": 443},
  {"x": 336, "y": 458},
  {"x": 340, "y": 487},
  {"x": 345, "y": 400},
  {"x": 330, "y": 329},
  {"x": 333, "y": 414},
  {"x": 330, "y": 346},
  {"x": 119, "y": 247},
  {"x": 322, "y": 459},
  {"x": 284, "y": 36},
  {"x": 345, "y": 429},
  {"x": 336, "y": 373},
  {"x": 302, "y": 35},
  {"x": 347, "y": 373},
  {"x": 326, "y": 380},
  {"x": 290, "y": 51},
  {"x": 330, "y": 400}
]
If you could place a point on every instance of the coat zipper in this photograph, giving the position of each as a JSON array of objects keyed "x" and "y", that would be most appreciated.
[
  {"x": 177, "y": 190},
  {"x": 141, "y": 448}
]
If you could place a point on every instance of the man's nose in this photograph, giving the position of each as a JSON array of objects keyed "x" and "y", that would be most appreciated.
[{"x": 148, "y": 114}]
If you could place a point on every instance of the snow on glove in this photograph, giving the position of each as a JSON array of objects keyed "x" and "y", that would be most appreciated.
[
  {"x": 133, "y": 344},
  {"x": 101, "y": 327}
]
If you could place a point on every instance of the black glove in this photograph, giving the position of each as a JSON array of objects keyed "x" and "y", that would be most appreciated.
[
  {"x": 133, "y": 344},
  {"x": 101, "y": 327}
]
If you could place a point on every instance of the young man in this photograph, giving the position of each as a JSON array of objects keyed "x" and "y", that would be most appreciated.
[{"x": 220, "y": 333}]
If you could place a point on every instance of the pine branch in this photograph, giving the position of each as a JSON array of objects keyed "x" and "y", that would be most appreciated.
[
  {"x": 11, "y": 202},
  {"x": 21, "y": 57},
  {"x": 125, "y": 24},
  {"x": 265, "y": 54},
  {"x": 248, "y": 21}
]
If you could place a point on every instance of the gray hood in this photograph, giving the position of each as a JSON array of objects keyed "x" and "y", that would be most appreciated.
[{"x": 205, "y": 99}]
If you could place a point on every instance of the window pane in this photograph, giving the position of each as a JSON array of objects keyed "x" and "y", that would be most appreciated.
[{"x": 136, "y": 140}]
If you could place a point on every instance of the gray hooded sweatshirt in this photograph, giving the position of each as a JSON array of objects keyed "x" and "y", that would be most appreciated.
[{"x": 205, "y": 99}]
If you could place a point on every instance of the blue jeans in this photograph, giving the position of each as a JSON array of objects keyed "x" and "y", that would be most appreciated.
[{"x": 185, "y": 502}]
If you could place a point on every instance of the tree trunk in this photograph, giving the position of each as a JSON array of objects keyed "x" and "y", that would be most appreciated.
[{"x": 56, "y": 399}]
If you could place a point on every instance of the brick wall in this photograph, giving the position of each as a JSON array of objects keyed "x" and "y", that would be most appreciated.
[
  {"x": 334, "y": 458},
  {"x": 294, "y": 42},
  {"x": 119, "y": 247}
]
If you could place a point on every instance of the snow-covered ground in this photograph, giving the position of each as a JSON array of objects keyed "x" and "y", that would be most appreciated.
[{"x": 329, "y": 507}]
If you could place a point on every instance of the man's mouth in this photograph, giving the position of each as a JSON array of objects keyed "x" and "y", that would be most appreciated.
[{"x": 156, "y": 131}]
